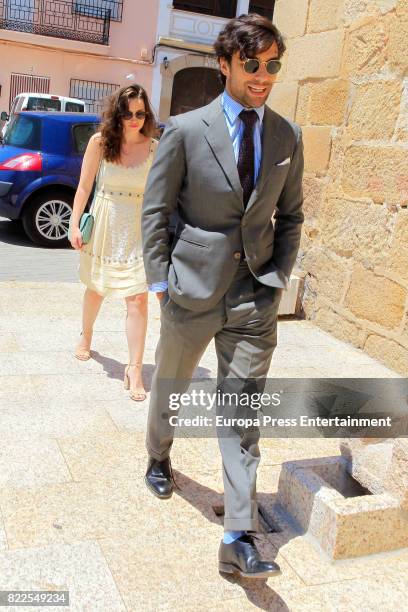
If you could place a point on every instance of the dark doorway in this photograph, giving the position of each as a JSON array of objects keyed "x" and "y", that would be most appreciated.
[
  {"x": 194, "y": 87},
  {"x": 262, "y": 7},
  {"x": 219, "y": 8}
]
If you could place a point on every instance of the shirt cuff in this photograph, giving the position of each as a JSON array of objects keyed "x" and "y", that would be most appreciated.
[{"x": 158, "y": 287}]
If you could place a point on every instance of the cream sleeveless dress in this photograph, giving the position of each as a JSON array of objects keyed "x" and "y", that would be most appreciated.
[{"x": 112, "y": 261}]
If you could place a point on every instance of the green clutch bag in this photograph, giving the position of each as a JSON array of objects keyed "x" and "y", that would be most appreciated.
[
  {"x": 86, "y": 224},
  {"x": 87, "y": 220}
]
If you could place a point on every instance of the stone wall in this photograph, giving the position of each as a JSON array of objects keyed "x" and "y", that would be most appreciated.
[{"x": 345, "y": 81}]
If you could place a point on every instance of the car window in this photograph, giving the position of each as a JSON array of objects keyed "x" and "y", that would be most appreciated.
[
  {"x": 82, "y": 134},
  {"x": 24, "y": 132},
  {"x": 43, "y": 104},
  {"x": 74, "y": 107},
  {"x": 19, "y": 105},
  {"x": 14, "y": 105}
]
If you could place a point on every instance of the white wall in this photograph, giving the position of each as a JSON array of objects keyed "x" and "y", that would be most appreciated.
[{"x": 163, "y": 29}]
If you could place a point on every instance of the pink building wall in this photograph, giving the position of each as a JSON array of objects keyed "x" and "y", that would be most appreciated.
[{"x": 129, "y": 53}]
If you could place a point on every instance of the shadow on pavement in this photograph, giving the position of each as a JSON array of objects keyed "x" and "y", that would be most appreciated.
[
  {"x": 12, "y": 232},
  {"x": 258, "y": 592},
  {"x": 116, "y": 369}
]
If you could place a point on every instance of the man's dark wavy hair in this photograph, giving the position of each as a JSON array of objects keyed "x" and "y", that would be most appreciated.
[{"x": 249, "y": 34}]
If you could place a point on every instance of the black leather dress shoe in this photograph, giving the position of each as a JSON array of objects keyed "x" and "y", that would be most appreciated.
[
  {"x": 242, "y": 557},
  {"x": 159, "y": 477}
]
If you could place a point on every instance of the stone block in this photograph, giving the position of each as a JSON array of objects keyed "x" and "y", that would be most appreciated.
[
  {"x": 320, "y": 499},
  {"x": 325, "y": 15},
  {"x": 317, "y": 146},
  {"x": 375, "y": 110},
  {"x": 375, "y": 298},
  {"x": 282, "y": 99},
  {"x": 358, "y": 11},
  {"x": 365, "y": 49},
  {"x": 315, "y": 56},
  {"x": 393, "y": 354},
  {"x": 340, "y": 327},
  {"x": 328, "y": 102},
  {"x": 379, "y": 465},
  {"x": 356, "y": 230},
  {"x": 338, "y": 149},
  {"x": 401, "y": 133},
  {"x": 289, "y": 304},
  {"x": 402, "y": 7},
  {"x": 303, "y": 103},
  {"x": 327, "y": 275},
  {"x": 397, "y": 260},
  {"x": 313, "y": 197},
  {"x": 368, "y": 461},
  {"x": 397, "y": 482},
  {"x": 397, "y": 49},
  {"x": 291, "y": 18},
  {"x": 306, "y": 239},
  {"x": 377, "y": 172}
]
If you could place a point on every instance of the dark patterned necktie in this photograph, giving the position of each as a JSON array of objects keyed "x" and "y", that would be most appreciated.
[{"x": 246, "y": 158}]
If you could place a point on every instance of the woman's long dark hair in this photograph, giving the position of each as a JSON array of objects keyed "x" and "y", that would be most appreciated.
[{"x": 112, "y": 128}]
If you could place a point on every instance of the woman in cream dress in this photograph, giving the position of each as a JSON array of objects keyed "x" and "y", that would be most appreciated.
[{"x": 111, "y": 263}]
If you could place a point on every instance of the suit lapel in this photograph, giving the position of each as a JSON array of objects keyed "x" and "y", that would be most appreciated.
[
  {"x": 270, "y": 140},
  {"x": 219, "y": 140}
]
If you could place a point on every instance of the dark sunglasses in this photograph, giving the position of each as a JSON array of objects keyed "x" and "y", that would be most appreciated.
[
  {"x": 251, "y": 66},
  {"x": 138, "y": 115}
]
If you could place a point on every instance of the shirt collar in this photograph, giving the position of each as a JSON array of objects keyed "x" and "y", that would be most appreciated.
[{"x": 232, "y": 108}]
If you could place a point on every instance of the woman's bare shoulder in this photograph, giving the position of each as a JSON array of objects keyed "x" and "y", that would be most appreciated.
[
  {"x": 95, "y": 143},
  {"x": 96, "y": 138}
]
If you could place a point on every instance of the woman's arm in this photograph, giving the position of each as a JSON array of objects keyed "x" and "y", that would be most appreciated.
[{"x": 90, "y": 165}]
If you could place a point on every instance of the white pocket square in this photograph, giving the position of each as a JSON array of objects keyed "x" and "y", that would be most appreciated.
[{"x": 284, "y": 162}]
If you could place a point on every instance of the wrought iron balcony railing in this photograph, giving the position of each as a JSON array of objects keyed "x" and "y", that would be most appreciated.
[{"x": 69, "y": 19}]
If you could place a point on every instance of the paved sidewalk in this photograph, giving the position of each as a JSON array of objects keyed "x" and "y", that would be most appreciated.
[{"x": 74, "y": 512}]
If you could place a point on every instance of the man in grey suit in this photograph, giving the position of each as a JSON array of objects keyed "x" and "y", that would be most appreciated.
[{"x": 233, "y": 173}]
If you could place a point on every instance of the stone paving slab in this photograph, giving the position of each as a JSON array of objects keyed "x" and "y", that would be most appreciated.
[
  {"x": 16, "y": 389},
  {"x": 182, "y": 566},
  {"x": 388, "y": 595},
  {"x": 74, "y": 510},
  {"x": 34, "y": 461},
  {"x": 79, "y": 568},
  {"x": 54, "y": 420},
  {"x": 85, "y": 510},
  {"x": 315, "y": 568}
]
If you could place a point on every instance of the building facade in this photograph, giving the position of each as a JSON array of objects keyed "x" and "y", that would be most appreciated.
[
  {"x": 186, "y": 32},
  {"x": 89, "y": 48},
  {"x": 84, "y": 48}
]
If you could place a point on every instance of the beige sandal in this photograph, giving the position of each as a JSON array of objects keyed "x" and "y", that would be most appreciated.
[
  {"x": 81, "y": 353},
  {"x": 137, "y": 396}
]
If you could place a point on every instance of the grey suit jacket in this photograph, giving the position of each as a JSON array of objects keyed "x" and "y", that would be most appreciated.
[{"x": 195, "y": 174}]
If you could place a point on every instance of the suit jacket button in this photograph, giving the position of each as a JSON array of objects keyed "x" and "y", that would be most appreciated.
[{"x": 237, "y": 255}]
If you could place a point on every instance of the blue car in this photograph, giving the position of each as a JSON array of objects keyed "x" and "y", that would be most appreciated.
[{"x": 40, "y": 165}]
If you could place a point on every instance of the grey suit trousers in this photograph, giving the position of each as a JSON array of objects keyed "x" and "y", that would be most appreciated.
[{"x": 244, "y": 327}]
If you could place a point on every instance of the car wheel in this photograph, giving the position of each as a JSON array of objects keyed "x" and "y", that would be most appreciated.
[{"x": 46, "y": 219}]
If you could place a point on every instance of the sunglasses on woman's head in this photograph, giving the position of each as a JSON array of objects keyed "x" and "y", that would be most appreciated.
[
  {"x": 127, "y": 115},
  {"x": 252, "y": 65}
]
